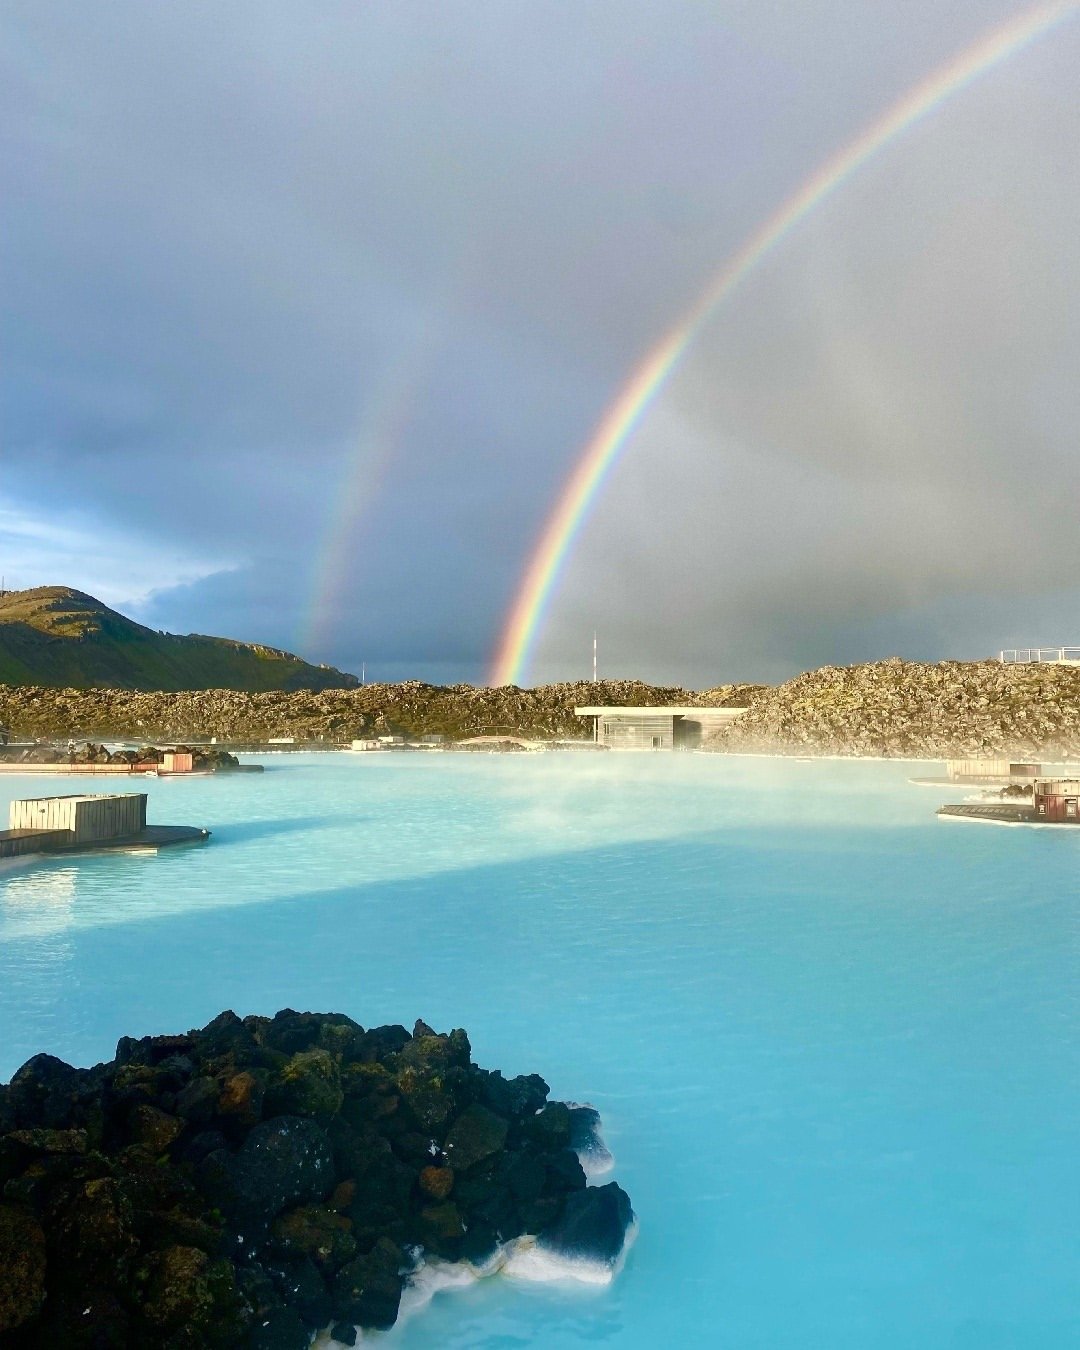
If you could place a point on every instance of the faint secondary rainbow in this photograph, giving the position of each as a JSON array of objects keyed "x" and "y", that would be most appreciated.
[
  {"x": 365, "y": 465},
  {"x": 537, "y": 586}
]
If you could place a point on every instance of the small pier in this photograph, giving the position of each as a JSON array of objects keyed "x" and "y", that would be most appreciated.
[
  {"x": 997, "y": 813},
  {"x": 50, "y": 826},
  {"x": 1055, "y": 801}
]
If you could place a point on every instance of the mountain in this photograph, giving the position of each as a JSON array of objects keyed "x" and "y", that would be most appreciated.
[{"x": 56, "y": 637}]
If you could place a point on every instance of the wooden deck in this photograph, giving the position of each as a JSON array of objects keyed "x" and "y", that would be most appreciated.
[
  {"x": 997, "y": 813},
  {"x": 152, "y": 838},
  {"x": 57, "y": 843}
]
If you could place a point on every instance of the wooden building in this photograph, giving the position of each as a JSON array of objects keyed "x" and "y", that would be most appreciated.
[
  {"x": 85, "y": 819},
  {"x": 1057, "y": 799},
  {"x": 990, "y": 770}
]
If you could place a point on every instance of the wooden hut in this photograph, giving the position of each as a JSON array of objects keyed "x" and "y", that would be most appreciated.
[
  {"x": 1057, "y": 799},
  {"x": 85, "y": 819}
]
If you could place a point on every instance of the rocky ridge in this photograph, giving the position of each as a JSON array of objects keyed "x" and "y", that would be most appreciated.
[
  {"x": 952, "y": 709},
  {"x": 891, "y": 708},
  {"x": 252, "y": 1183},
  {"x": 333, "y": 715}
]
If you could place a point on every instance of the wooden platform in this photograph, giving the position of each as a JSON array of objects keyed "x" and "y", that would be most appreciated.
[
  {"x": 56, "y": 843},
  {"x": 998, "y": 813},
  {"x": 150, "y": 839}
]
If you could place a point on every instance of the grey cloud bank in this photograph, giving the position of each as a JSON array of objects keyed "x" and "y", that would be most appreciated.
[{"x": 308, "y": 312}]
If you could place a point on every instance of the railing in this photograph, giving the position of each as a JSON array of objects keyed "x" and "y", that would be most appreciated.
[{"x": 1045, "y": 655}]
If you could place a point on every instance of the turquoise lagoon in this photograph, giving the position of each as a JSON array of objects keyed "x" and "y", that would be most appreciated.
[{"x": 833, "y": 1039}]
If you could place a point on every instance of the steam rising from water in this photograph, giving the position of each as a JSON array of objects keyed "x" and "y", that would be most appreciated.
[{"x": 327, "y": 823}]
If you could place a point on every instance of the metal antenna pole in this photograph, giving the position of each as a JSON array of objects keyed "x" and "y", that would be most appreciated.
[{"x": 594, "y": 656}]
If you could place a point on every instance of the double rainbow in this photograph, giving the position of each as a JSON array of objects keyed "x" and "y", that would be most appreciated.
[{"x": 602, "y": 451}]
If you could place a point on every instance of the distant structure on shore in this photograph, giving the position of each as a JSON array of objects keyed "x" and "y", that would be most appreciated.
[
  {"x": 1045, "y": 656},
  {"x": 655, "y": 728}
]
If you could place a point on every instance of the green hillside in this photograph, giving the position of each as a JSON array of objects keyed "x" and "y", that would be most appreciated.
[{"x": 57, "y": 637}]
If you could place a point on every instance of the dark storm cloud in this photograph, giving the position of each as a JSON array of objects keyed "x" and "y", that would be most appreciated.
[
  {"x": 872, "y": 448},
  {"x": 235, "y": 235}
]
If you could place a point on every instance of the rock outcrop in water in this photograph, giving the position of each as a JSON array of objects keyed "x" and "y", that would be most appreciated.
[{"x": 261, "y": 1179}]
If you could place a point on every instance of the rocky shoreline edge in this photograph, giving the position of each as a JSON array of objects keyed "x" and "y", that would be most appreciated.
[
  {"x": 265, "y": 1180},
  {"x": 890, "y": 709}
]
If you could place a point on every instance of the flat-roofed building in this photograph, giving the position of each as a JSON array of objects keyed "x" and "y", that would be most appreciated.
[
  {"x": 990, "y": 770},
  {"x": 1057, "y": 798},
  {"x": 667, "y": 727}
]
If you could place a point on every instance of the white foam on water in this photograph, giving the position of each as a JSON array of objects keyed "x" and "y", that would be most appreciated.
[
  {"x": 527, "y": 1260},
  {"x": 521, "y": 1259}
]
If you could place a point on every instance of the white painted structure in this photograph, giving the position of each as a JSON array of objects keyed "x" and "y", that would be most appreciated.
[
  {"x": 1046, "y": 656},
  {"x": 665, "y": 727}
]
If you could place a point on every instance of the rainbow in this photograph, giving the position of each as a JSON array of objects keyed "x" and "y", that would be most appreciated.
[
  {"x": 623, "y": 416},
  {"x": 389, "y": 409}
]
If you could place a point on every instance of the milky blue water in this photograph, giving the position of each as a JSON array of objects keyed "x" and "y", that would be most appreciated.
[{"x": 833, "y": 1038}]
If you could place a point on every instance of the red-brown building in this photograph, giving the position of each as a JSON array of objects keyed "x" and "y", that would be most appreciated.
[
  {"x": 177, "y": 761},
  {"x": 1057, "y": 799}
]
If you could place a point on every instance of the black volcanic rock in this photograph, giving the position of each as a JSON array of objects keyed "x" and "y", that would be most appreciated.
[
  {"x": 284, "y": 1161},
  {"x": 251, "y": 1183},
  {"x": 592, "y": 1227}
]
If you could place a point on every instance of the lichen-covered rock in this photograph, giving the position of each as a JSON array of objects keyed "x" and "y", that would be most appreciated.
[
  {"x": 22, "y": 1266},
  {"x": 317, "y": 1232},
  {"x": 241, "y": 1096},
  {"x": 186, "y": 1291},
  {"x": 284, "y": 1161},
  {"x": 154, "y": 1129},
  {"x": 167, "y": 1199},
  {"x": 333, "y": 715},
  {"x": 368, "y": 1290},
  {"x": 309, "y": 1085},
  {"x": 948, "y": 710},
  {"x": 476, "y": 1134},
  {"x": 437, "y": 1182},
  {"x": 550, "y": 1128}
]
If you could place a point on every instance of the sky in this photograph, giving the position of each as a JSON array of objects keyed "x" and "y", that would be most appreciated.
[{"x": 308, "y": 311}]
